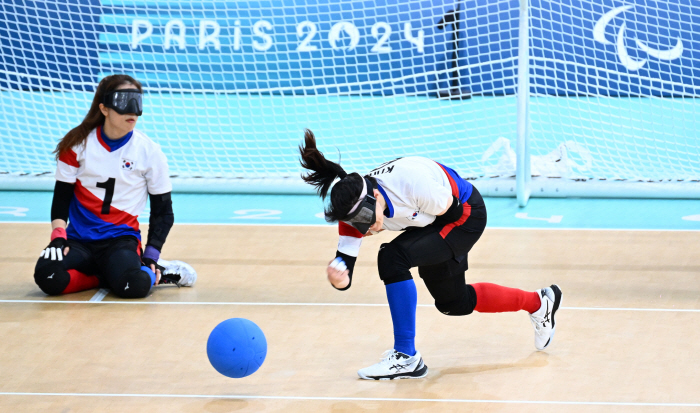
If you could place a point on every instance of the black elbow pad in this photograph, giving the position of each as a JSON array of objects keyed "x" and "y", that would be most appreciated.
[
  {"x": 161, "y": 220},
  {"x": 62, "y": 196},
  {"x": 453, "y": 213}
]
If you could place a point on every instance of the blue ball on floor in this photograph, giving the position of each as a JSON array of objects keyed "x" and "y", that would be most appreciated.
[{"x": 236, "y": 347}]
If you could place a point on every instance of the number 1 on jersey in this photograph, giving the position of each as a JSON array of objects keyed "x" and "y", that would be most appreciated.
[{"x": 108, "y": 185}]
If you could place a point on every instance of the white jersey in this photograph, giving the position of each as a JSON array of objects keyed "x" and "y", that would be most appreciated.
[
  {"x": 111, "y": 184},
  {"x": 416, "y": 190}
]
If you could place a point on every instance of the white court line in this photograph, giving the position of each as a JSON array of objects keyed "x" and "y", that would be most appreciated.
[
  {"x": 371, "y": 399},
  {"x": 99, "y": 295},
  {"x": 134, "y": 302},
  {"x": 251, "y": 224}
]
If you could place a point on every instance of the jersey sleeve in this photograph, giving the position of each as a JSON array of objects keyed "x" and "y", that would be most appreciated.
[
  {"x": 67, "y": 166},
  {"x": 431, "y": 196},
  {"x": 158, "y": 175},
  {"x": 350, "y": 239},
  {"x": 348, "y": 248}
]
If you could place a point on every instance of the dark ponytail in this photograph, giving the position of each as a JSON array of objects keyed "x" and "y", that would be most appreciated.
[
  {"x": 324, "y": 171},
  {"x": 345, "y": 193}
]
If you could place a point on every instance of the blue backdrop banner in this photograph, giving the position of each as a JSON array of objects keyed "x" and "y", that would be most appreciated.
[{"x": 379, "y": 47}]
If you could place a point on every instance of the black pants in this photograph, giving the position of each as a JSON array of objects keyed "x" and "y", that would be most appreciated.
[
  {"x": 441, "y": 258},
  {"x": 116, "y": 262}
]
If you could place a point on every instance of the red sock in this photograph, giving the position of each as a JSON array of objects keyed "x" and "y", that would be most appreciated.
[
  {"x": 80, "y": 282},
  {"x": 492, "y": 298}
]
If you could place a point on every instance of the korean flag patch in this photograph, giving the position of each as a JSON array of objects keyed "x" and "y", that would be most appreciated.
[{"x": 127, "y": 164}]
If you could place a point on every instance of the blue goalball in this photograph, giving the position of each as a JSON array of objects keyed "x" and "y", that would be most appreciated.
[{"x": 236, "y": 347}]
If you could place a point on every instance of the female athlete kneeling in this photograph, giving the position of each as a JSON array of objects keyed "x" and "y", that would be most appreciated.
[
  {"x": 105, "y": 172},
  {"x": 442, "y": 217}
]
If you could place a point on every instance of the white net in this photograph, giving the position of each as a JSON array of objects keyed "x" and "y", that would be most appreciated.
[
  {"x": 618, "y": 80},
  {"x": 231, "y": 85}
]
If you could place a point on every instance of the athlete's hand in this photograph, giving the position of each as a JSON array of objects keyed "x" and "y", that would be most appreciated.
[
  {"x": 157, "y": 271},
  {"x": 153, "y": 265},
  {"x": 56, "y": 250},
  {"x": 373, "y": 232},
  {"x": 338, "y": 273}
]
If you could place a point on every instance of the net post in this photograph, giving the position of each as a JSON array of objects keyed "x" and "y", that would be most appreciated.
[{"x": 522, "y": 169}]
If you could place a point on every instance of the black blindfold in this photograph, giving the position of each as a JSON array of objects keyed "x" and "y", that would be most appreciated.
[{"x": 124, "y": 101}]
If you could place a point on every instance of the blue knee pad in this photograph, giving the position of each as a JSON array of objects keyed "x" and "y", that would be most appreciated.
[{"x": 150, "y": 273}]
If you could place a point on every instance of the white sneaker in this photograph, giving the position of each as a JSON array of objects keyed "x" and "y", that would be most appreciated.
[
  {"x": 177, "y": 272},
  {"x": 395, "y": 365},
  {"x": 543, "y": 319}
]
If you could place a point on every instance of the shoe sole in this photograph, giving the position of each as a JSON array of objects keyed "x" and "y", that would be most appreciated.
[
  {"x": 416, "y": 374},
  {"x": 557, "y": 302}
]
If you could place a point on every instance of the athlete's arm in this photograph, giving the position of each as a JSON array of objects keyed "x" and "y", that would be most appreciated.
[
  {"x": 349, "y": 243},
  {"x": 162, "y": 217},
  {"x": 436, "y": 199},
  {"x": 161, "y": 220},
  {"x": 449, "y": 205},
  {"x": 62, "y": 196},
  {"x": 451, "y": 214}
]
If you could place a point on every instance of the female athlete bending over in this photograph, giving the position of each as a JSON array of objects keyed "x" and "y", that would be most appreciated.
[
  {"x": 442, "y": 216},
  {"x": 105, "y": 172}
]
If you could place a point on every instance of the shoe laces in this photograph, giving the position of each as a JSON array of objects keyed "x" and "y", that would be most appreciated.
[
  {"x": 170, "y": 279},
  {"x": 539, "y": 321},
  {"x": 387, "y": 355},
  {"x": 536, "y": 322},
  {"x": 391, "y": 356}
]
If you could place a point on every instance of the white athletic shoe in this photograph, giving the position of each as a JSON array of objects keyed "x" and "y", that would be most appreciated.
[
  {"x": 543, "y": 319},
  {"x": 395, "y": 365},
  {"x": 177, "y": 272}
]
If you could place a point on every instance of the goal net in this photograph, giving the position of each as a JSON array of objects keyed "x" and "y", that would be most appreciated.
[
  {"x": 613, "y": 90},
  {"x": 231, "y": 85}
]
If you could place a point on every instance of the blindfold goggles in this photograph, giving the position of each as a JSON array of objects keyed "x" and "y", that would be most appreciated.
[
  {"x": 364, "y": 213},
  {"x": 124, "y": 101}
]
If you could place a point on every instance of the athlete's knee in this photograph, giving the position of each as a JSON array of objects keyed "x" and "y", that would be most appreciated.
[
  {"x": 393, "y": 263},
  {"x": 124, "y": 258},
  {"x": 464, "y": 305},
  {"x": 134, "y": 283},
  {"x": 51, "y": 276}
]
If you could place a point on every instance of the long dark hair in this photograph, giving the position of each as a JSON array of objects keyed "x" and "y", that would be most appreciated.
[
  {"x": 94, "y": 117},
  {"x": 345, "y": 193}
]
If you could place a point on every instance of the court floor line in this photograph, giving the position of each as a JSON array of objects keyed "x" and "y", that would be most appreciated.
[
  {"x": 253, "y": 224},
  {"x": 99, "y": 295},
  {"x": 130, "y": 302},
  {"x": 356, "y": 399}
]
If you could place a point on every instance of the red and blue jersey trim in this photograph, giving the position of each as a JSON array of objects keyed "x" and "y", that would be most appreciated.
[
  {"x": 461, "y": 190},
  {"x": 111, "y": 145},
  {"x": 102, "y": 141},
  {"x": 87, "y": 223}
]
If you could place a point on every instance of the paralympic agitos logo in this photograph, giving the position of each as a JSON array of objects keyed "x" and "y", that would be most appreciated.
[{"x": 628, "y": 61}]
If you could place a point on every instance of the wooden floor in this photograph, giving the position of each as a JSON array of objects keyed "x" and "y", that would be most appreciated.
[{"x": 623, "y": 342}]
